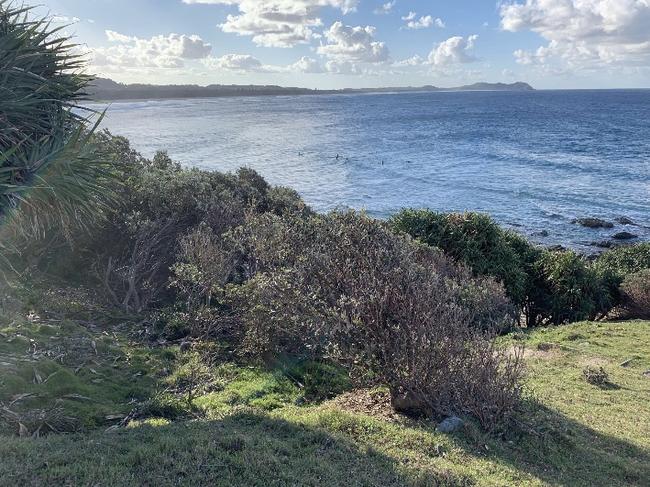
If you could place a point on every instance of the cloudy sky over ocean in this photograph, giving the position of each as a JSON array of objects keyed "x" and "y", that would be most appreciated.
[{"x": 354, "y": 43}]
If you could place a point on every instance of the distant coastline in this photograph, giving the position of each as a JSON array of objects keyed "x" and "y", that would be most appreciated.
[{"x": 104, "y": 89}]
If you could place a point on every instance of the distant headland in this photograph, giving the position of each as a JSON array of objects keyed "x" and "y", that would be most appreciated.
[{"x": 107, "y": 89}]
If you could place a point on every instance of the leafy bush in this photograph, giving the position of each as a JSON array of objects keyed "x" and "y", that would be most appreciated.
[
  {"x": 625, "y": 260},
  {"x": 635, "y": 292},
  {"x": 355, "y": 291},
  {"x": 131, "y": 253},
  {"x": 566, "y": 289},
  {"x": 548, "y": 287},
  {"x": 475, "y": 240}
]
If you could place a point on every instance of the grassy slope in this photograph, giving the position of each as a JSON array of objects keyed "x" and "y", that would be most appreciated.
[{"x": 571, "y": 432}]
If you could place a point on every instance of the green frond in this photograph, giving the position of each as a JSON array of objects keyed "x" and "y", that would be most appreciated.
[{"x": 50, "y": 172}]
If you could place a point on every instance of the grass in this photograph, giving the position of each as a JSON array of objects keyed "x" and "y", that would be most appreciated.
[{"x": 237, "y": 425}]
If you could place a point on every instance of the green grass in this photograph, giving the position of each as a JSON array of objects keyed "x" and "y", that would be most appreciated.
[{"x": 251, "y": 426}]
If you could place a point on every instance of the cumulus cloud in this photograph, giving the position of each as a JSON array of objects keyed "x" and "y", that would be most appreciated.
[
  {"x": 157, "y": 52},
  {"x": 343, "y": 67},
  {"x": 385, "y": 8},
  {"x": 416, "y": 60},
  {"x": 424, "y": 22},
  {"x": 306, "y": 65},
  {"x": 277, "y": 23},
  {"x": 455, "y": 50},
  {"x": 353, "y": 44},
  {"x": 239, "y": 63},
  {"x": 583, "y": 33}
]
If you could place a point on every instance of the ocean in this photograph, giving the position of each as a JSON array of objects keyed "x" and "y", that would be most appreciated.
[{"x": 534, "y": 160}]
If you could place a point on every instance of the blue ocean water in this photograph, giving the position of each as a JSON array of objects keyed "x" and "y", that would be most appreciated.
[{"x": 533, "y": 160}]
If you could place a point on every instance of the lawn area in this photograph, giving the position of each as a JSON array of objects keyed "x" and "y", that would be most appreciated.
[{"x": 247, "y": 426}]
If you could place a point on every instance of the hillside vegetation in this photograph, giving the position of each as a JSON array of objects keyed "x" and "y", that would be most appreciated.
[
  {"x": 254, "y": 425},
  {"x": 161, "y": 325}
]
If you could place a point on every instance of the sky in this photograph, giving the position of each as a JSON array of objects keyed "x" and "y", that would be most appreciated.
[{"x": 325, "y": 44}]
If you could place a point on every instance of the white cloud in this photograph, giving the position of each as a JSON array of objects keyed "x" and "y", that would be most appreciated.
[
  {"x": 416, "y": 60},
  {"x": 424, "y": 22},
  {"x": 385, "y": 8},
  {"x": 353, "y": 44},
  {"x": 455, "y": 50},
  {"x": 277, "y": 23},
  {"x": 343, "y": 67},
  {"x": 113, "y": 36},
  {"x": 157, "y": 52},
  {"x": 239, "y": 63},
  {"x": 306, "y": 65},
  {"x": 583, "y": 33},
  {"x": 62, "y": 19}
]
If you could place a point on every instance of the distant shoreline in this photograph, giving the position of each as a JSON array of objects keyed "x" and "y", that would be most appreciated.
[{"x": 108, "y": 90}]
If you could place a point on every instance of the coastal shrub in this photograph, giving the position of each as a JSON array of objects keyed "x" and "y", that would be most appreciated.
[
  {"x": 616, "y": 264},
  {"x": 131, "y": 252},
  {"x": 355, "y": 291},
  {"x": 475, "y": 240},
  {"x": 625, "y": 260},
  {"x": 635, "y": 294},
  {"x": 567, "y": 289}
]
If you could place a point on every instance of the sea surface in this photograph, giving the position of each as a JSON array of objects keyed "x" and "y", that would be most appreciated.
[{"x": 534, "y": 160}]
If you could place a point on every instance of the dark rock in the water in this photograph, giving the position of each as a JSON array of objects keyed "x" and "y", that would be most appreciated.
[
  {"x": 624, "y": 236},
  {"x": 543, "y": 233},
  {"x": 623, "y": 220},
  {"x": 450, "y": 424},
  {"x": 593, "y": 223}
]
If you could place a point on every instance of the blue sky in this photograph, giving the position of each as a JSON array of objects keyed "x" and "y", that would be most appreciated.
[{"x": 355, "y": 43}]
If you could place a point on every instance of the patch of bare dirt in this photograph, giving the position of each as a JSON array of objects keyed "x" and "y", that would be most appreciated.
[
  {"x": 544, "y": 352},
  {"x": 372, "y": 402}
]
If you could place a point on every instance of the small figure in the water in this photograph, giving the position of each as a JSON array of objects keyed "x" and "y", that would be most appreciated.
[
  {"x": 299, "y": 154},
  {"x": 337, "y": 157},
  {"x": 382, "y": 162}
]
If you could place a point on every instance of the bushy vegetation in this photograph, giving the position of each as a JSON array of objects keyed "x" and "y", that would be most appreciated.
[
  {"x": 221, "y": 298},
  {"x": 473, "y": 239},
  {"x": 228, "y": 258},
  {"x": 547, "y": 286}
]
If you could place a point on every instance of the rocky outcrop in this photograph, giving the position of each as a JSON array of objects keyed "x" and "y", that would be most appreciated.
[
  {"x": 624, "y": 236},
  {"x": 590, "y": 222}
]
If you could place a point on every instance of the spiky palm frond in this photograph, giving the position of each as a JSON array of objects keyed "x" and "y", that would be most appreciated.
[{"x": 49, "y": 169}]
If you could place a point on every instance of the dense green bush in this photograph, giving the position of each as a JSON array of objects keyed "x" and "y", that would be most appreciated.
[
  {"x": 566, "y": 289},
  {"x": 475, "y": 240},
  {"x": 625, "y": 260},
  {"x": 130, "y": 253},
  {"x": 548, "y": 287}
]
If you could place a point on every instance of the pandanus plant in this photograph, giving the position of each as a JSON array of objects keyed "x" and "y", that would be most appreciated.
[{"x": 50, "y": 171}]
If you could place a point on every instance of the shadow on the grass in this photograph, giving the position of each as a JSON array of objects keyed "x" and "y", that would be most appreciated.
[
  {"x": 560, "y": 450},
  {"x": 245, "y": 449}
]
